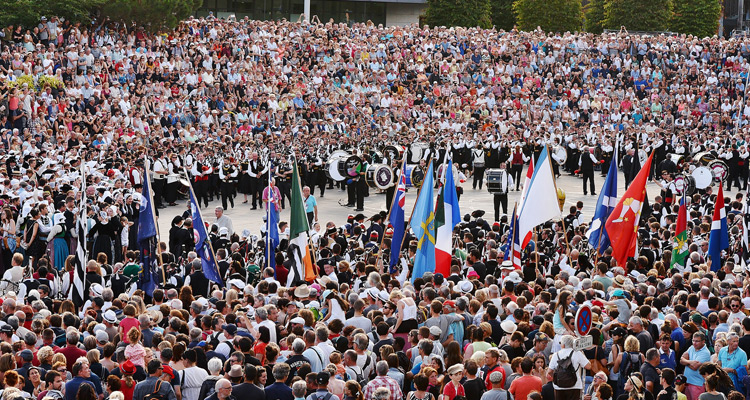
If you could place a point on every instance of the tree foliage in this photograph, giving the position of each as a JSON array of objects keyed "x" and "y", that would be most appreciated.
[
  {"x": 638, "y": 15},
  {"x": 467, "y": 13},
  {"x": 550, "y": 15},
  {"x": 594, "y": 13},
  {"x": 28, "y": 12},
  {"x": 696, "y": 17},
  {"x": 503, "y": 16},
  {"x": 153, "y": 15}
]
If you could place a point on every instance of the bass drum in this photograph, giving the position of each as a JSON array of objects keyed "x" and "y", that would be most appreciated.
[
  {"x": 703, "y": 177},
  {"x": 379, "y": 176},
  {"x": 703, "y": 158},
  {"x": 350, "y": 166},
  {"x": 720, "y": 170},
  {"x": 561, "y": 156},
  {"x": 642, "y": 156},
  {"x": 332, "y": 168},
  {"x": 418, "y": 150},
  {"x": 689, "y": 185},
  {"x": 414, "y": 176},
  {"x": 394, "y": 152}
]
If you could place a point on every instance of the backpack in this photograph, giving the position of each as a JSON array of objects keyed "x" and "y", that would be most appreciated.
[
  {"x": 155, "y": 395},
  {"x": 360, "y": 377},
  {"x": 632, "y": 364},
  {"x": 422, "y": 315},
  {"x": 565, "y": 375}
]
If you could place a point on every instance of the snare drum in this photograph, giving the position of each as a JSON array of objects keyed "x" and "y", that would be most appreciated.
[
  {"x": 494, "y": 184},
  {"x": 720, "y": 170},
  {"x": 414, "y": 176},
  {"x": 379, "y": 176},
  {"x": 679, "y": 184}
]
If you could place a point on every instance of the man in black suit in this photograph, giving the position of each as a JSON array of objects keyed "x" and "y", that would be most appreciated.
[{"x": 586, "y": 167}]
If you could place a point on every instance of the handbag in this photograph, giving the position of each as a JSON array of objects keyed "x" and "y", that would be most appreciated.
[{"x": 596, "y": 364}]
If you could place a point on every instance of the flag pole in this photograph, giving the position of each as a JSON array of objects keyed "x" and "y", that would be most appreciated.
[
  {"x": 311, "y": 246},
  {"x": 388, "y": 217},
  {"x": 156, "y": 223},
  {"x": 198, "y": 210},
  {"x": 268, "y": 222},
  {"x": 85, "y": 226},
  {"x": 408, "y": 223},
  {"x": 554, "y": 182}
]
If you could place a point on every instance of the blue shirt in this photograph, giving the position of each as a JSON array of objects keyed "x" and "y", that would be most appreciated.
[
  {"x": 310, "y": 204},
  {"x": 667, "y": 360},
  {"x": 71, "y": 387},
  {"x": 734, "y": 360},
  {"x": 703, "y": 355},
  {"x": 279, "y": 391}
]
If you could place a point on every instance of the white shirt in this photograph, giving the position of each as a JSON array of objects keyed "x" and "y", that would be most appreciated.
[{"x": 579, "y": 362}]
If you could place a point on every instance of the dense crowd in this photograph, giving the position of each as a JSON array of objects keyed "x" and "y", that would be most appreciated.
[{"x": 222, "y": 104}]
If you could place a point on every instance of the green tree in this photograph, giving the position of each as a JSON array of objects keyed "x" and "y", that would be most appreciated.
[
  {"x": 638, "y": 15},
  {"x": 152, "y": 15},
  {"x": 550, "y": 15},
  {"x": 594, "y": 12},
  {"x": 28, "y": 12},
  {"x": 503, "y": 16},
  {"x": 696, "y": 17},
  {"x": 467, "y": 13}
]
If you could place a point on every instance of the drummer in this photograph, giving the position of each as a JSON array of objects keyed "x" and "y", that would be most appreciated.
[{"x": 668, "y": 187}]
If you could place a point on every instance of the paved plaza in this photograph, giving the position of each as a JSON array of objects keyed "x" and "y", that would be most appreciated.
[{"x": 329, "y": 209}]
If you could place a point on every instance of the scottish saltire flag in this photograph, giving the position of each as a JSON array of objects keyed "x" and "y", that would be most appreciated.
[
  {"x": 719, "y": 237},
  {"x": 272, "y": 230},
  {"x": 397, "y": 220},
  {"x": 203, "y": 245},
  {"x": 680, "y": 251},
  {"x": 77, "y": 294},
  {"x": 423, "y": 225},
  {"x": 513, "y": 250},
  {"x": 597, "y": 235},
  {"x": 148, "y": 277}
]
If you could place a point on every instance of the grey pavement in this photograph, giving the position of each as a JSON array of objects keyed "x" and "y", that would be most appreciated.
[{"x": 329, "y": 209}]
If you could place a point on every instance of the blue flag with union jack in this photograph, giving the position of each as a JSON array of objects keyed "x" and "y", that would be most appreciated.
[{"x": 397, "y": 219}]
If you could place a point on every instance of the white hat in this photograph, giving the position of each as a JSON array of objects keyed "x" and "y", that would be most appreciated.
[
  {"x": 514, "y": 277},
  {"x": 465, "y": 286},
  {"x": 508, "y": 326},
  {"x": 110, "y": 316},
  {"x": 97, "y": 289},
  {"x": 298, "y": 320},
  {"x": 236, "y": 282}
]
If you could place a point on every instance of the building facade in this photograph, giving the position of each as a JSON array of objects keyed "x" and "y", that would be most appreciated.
[{"x": 389, "y": 12}]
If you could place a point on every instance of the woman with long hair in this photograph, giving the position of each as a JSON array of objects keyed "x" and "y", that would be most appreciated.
[
  {"x": 453, "y": 354},
  {"x": 127, "y": 383},
  {"x": 421, "y": 385},
  {"x": 352, "y": 391},
  {"x": 86, "y": 392},
  {"x": 337, "y": 307},
  {"x": 264, "y": 337},
  {"x": 631, "y": 356},
  {"x": 406, "y": 310}
]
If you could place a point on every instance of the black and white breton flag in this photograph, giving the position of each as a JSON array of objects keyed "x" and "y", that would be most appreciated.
[{"x": 76, "y": 293}]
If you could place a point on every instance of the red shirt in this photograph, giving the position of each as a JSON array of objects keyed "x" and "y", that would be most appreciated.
[
  {"x": 71, "y": 354},
  {"x": 450, "y": 391},
  {"x": 522, "y": 386}
]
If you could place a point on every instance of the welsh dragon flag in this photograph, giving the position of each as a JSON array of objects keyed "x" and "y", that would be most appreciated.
[{"x": 680, "y": 251}]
